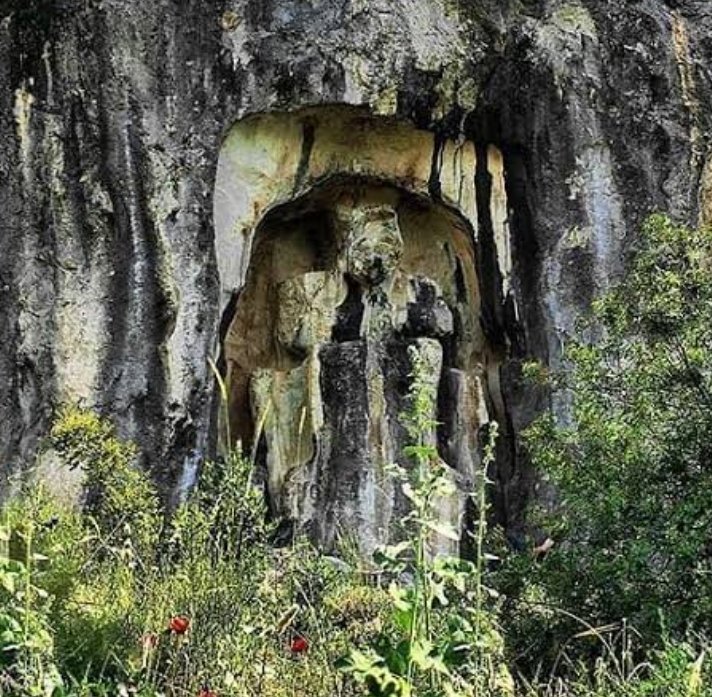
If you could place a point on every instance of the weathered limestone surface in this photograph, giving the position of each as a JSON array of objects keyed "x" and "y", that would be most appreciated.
[{"x": 581, "y": 118}]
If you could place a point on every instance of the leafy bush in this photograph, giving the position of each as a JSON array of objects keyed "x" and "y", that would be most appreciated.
[
  {"x": 633, "y": 470},
  {"x": 121, "y": 500}
]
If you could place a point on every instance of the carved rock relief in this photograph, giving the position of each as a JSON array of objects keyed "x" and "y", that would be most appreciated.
[{"x": 341, "y": 281}]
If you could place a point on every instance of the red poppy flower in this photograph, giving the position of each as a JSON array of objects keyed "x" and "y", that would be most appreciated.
[
  {"x": 179, "y": 624},
  {"x": 299, "y": 645},
  {"x": 205, "y": 691}
]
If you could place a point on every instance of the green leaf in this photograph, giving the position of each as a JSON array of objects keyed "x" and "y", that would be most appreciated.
[
  {"x": 443, "y": 529},
  {"x": 438, "y": 591},
  {"x": 8, "y": 583},
  {"x": 420, "y": 653}
]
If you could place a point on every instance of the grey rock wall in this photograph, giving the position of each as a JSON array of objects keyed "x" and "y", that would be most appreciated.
[{"x": 112, "y": 116}]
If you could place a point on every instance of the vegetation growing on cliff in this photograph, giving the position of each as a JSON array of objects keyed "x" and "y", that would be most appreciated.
[
  {"x": 633, "y": 470},
  {"x": 118, "y": 599}
]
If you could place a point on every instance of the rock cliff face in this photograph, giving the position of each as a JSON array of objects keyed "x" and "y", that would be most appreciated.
[{"x": 185, "y": 180}]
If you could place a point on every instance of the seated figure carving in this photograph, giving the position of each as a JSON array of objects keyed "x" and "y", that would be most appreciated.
[{"x": 326, "y": 391}]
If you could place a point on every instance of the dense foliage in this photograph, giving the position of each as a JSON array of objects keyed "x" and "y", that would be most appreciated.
[{"x": 633, "y": 467}]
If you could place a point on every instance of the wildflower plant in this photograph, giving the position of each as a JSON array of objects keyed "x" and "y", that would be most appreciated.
[
  {"x": 446, "y": 641},
  {"x": 27, "y": 664}
]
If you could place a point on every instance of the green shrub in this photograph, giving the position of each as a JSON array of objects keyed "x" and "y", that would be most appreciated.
[
  {"x": 633, "y": 470},
  {"x": 121, "y": 498}
]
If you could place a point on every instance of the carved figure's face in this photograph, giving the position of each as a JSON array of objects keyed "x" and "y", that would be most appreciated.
[{"x": 374, "y": 245}]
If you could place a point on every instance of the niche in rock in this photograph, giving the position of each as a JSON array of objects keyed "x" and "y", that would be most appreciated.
[{"x": 337, "y": 281}]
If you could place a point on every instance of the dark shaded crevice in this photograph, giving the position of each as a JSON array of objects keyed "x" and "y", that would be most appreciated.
[
  {"x": 505, "y": 337},
  {"x": 224, "y": 326},
  {"x": 350, "y": 314},
  {"x": 417, "y": 96},
  {"x": 73, "y": 173},
  {"x": 434, "y": 185},
  {"x": 446, "y": 427},
  {"x": 307, "y": 146},
  {"x": 490, "y": 280},
  {"x": 527, "y": 332},
  {"x": 31, "y": 26},
  {"x": 397, "y": 371},
  {"x": 460, "y": 281},
  {"x": 118, "y": 291}
]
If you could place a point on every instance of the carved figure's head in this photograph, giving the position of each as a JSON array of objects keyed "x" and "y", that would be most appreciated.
[{"x": 374, "y": 244}]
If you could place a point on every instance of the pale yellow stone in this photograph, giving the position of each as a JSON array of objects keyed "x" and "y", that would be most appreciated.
[
  {"x": 499, "y": 215},
  {"x": 372, "y": 235},
  {"x": 270, "y": 159},
  {"x": 706, "y": 193},
  {"x": 291, "y": 405},
  {"x": 307, "y": 308},
  {"x": 24, "y": 101},
  {"x": 686, "y": 70}
]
